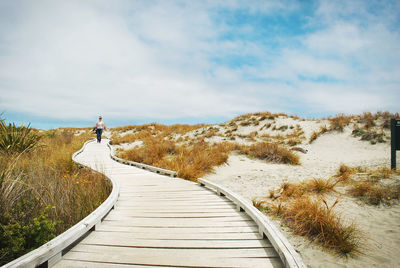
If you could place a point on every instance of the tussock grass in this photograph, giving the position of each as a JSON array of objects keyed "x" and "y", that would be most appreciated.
[
  {"x": 319, "y": 222},
  {"x": 317, "y": 134},
  {"x": 189, "y": 161},
  {"x": 43, "y": 193},
  {"x": 153, "y": 129},
  {"x": 296, "y": 190},
  {"x": 375, "y": 193},
  {"x": 376, "y": 187},
  {"x": 152, "y": 151},
  {"x": 271, "y": 152},
  {"x": 306, "y": 215},
  {"x": 295, "y": 137},
  {"x": 320, "y": 186},
  {"x": 344, "y": 173},
  {"x": 369, "y": 135},
  {"x": 339, "y": 122},
  {"x": 368, "y": 119}
]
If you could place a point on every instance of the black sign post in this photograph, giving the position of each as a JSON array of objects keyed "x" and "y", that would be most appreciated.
[{"x": 395, "y": 131}]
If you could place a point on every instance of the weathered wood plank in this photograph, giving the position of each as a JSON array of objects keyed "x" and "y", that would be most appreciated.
[
  {"x": 174, "y": 201},
  {"x": 163, "y": 222},
  {"x": 155, "y": 231},
  {"x": 164, "y": 252},
  {"x": 157, "y": 205},
  {"x": 203, "y": 209},
  {"x": 172, "y": 214},
  {"x": 95, "y": 264},
  {"x": 178, "y": 224},
  {"x": 162, "y": 195},
  {"x": 126, "y": 239},
  {"x": 184, "y": 236},
  {"x": 113, "y": 216},
  {"x": 171, "y": 260},
  {"x": 287, "y": 253}
]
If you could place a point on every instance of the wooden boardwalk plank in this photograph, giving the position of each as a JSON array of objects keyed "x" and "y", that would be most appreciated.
[
  {"x": 172, "y": 260},
  {"x": 183, "y": 236},
  {"x": 176, "y": 214},
  {"x": 156, "y": 231},
  {"x": 129, "y": 240},
  {"x": 178, "y": 224},
  {"x": 116, "y": 216},
  {"x": 243, "y": 253},
  {"x": 160, "y": 221}
]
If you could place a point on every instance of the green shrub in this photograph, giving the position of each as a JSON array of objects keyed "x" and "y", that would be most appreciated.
[
  {"x": 18, "y": 237},
  {"x": 14, "y": 139}
]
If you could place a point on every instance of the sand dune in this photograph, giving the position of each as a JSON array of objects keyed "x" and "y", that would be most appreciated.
[
  {"x": 253, "y": 178},
  {"x": 381, "y": 225}
]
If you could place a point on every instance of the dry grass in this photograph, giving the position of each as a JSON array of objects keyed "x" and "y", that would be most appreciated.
[
  {"x": 376, "y": 187},
  {"x": 319, "y": 222},
  {"x": 317, "y": 134},
  {"x": 344, "y": 173},
  {"x": 304, "y": 209},
  {"x": 189, "y": 161},
  {"x": 320, "y": 186},
  {"x": 271, "y": 152},
  {"x": 368, "y": 119},
  {"x": 45, "y": 186},
  {"x": 339, "y": 122},
  {"x": 49, "y": 170},
  {"x": 295, "y": 137},
  {"x": 153, "y": 129},
  {"x": 297, "y": 190},
  {"x": 316, "y": 220},
  {"x": 375, "y": 193}
]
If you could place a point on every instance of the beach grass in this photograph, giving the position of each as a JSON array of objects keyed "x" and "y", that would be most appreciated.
[
  {"x": 271, "y": 152},
  {"x": 43, "y": 192}
]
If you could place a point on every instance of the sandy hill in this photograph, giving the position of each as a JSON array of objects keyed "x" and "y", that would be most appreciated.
[{"x": 360, "y": 142}]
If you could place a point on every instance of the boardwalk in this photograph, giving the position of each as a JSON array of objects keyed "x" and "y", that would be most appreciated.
[{"x": 163, "y": 221}]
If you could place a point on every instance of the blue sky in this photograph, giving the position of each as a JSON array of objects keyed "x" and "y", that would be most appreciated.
[{"x": 62, "y": 63}]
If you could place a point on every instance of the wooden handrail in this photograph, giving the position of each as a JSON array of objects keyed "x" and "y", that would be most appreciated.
[
  {"x": 51, "y": 252},
  {"x": 288, "y": 255}
]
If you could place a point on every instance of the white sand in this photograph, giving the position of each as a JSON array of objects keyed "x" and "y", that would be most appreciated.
[
  {"x": 254, "y": 178},
  {"x": 381, "y": 225}
]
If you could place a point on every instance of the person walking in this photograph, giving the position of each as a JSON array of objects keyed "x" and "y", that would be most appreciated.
[{"x": 99, "y": 129}]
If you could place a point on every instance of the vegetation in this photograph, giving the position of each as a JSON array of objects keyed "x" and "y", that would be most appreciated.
[
  {"x": 190, "y": 161},
  {"x": 42, "y": 191},
  {"x": 339, "y": 122},
  {"x": 376, "y": 187},
  {"x": 375, "y": 193},
  {"x": 316, "y": 134},
  {"x": 304, "y": 209},
  {"x": 369, "y": 135},
  {"x": 14, "y": 139},
  {"x": 320, "y": 223},
  {"x": 271, "y": 152}
]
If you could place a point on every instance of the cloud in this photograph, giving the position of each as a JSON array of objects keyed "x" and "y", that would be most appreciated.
[{"x": 159, "y": 60}]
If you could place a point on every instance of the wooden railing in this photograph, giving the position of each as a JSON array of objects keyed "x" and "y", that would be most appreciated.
[
  {"x": 287, "y": 253},
  {"x": 266, "y": 228},
  {"x": 51, "y": 252}
]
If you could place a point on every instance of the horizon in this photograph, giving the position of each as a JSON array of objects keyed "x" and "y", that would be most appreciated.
[
  {"x": 65, "y": 63},
  {"x": 40, "y": 123}
]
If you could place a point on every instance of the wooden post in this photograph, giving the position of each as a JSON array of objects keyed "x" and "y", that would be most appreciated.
[{"x": 395, "y": 140}]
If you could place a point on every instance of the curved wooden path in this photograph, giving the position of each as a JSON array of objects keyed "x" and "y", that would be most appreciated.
[{"x": 166, "y": 222}]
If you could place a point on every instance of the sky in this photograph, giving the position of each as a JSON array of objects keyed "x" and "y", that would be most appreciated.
[{"x": 64, "y": 63}]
